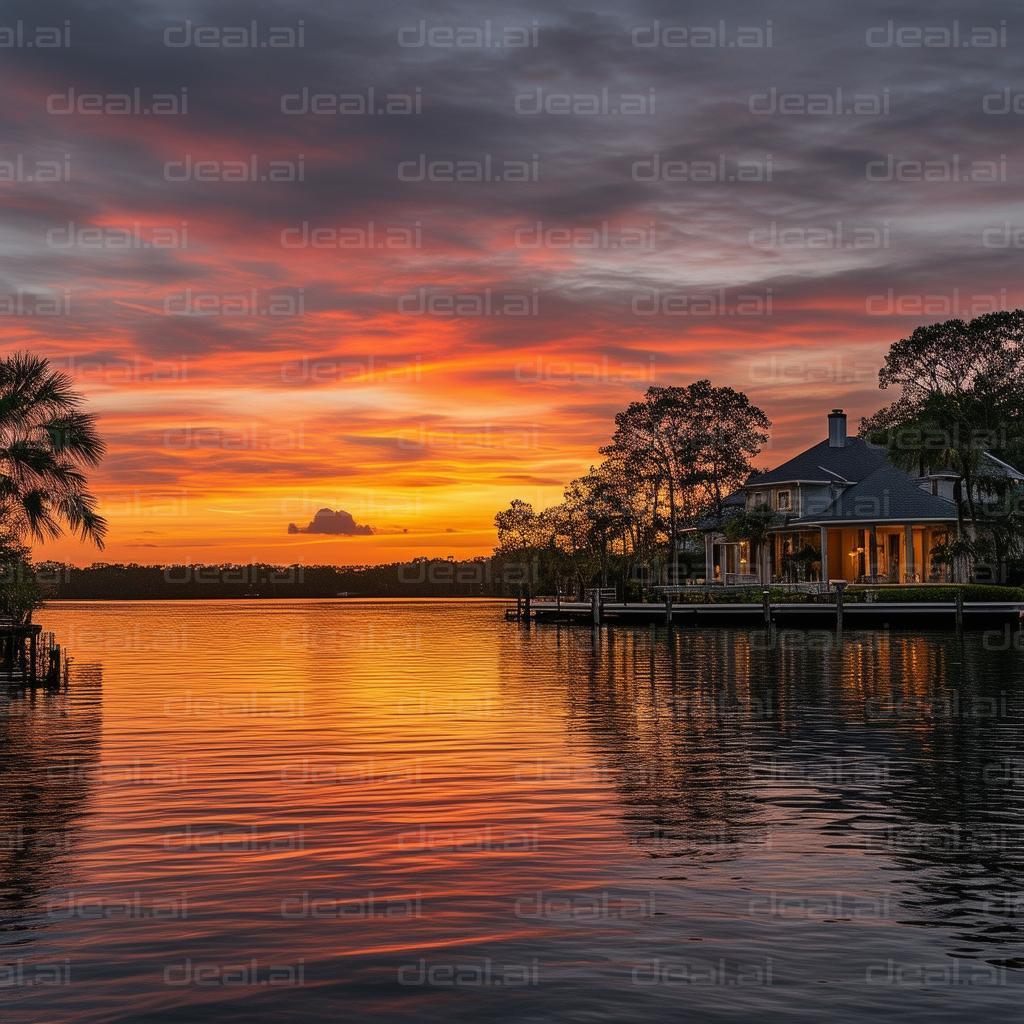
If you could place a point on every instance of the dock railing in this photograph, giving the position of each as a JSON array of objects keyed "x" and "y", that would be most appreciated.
[{"x": 818, "y": 591}]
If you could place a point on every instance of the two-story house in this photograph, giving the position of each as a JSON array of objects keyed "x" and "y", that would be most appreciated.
[{"x": 843, "y": 512}]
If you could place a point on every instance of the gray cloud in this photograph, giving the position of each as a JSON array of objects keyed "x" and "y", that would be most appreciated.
[
  {"x": 338, "y": 524},
  {"x": 703, "y": 113}
]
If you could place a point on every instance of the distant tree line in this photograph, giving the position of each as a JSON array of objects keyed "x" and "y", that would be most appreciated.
[{"x": 421, "y": 577}]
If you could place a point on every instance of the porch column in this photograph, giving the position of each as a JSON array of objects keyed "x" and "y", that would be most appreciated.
[
  {"x": 709, "y": 557},
  {"x": 873, "y": 553},
  {"x": 824, "y": 554},
  {"x": 908, "y": 558}
]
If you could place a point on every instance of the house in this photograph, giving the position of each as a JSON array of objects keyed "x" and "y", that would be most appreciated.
[{"x": 843, "y": 512}]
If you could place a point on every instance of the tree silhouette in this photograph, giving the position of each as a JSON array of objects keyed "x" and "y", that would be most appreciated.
[{"x": 45, "y": 443}]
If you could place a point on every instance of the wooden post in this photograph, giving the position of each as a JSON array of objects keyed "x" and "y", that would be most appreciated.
[
  {"x": 873, "y": 552},
  {"x": 595, "y": 606},
  {"x": 519, "y": 606},
  {"x": 840, "y": 587},
  {"x": 908, "y": 558},
  {"x": 766, "y": 606},
  {"x": 668, "y": 610},
  {"x": 526, "y": 606},
  {"x": 32, "y": 657},
  {"x": 824, "y": 555},
  {"x": 959, "y": 611}
]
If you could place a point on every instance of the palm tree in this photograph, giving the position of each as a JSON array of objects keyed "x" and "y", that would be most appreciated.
[{"x": 45, "y": 443}]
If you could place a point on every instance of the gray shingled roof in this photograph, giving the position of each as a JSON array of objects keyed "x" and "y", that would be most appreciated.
[
  {"x": 853, "y": 462},
  {"x": 881, "y": 493},
  {"x": 993, "y": 468},
  {"x": 886, "y": 495}
]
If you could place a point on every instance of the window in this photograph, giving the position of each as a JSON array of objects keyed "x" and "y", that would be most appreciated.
[
  {"x": 784, "y": 501},
  {"x": 757, "y": 498}
]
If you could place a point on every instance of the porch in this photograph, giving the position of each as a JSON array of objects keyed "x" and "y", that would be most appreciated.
[
  {"x": 727, "y": 562},
  {"x": 873, "y": 553},
  {"x": 878, "y": 553}
]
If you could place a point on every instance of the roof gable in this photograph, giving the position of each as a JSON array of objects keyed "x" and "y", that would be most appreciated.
[
  {"x": 994, "y": 468},
  {"x": 852, "y": 462},
  {"x": 883, "y": 496}
]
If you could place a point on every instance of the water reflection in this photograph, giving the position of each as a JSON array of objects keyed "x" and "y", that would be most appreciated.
[
  {"x": 727, "y": 743},
  {"x": 379, "y": 792},
  {"x": 50, "y": 742}
]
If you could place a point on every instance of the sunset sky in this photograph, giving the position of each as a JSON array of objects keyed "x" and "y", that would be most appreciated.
[{"x": 459, "y": 259}]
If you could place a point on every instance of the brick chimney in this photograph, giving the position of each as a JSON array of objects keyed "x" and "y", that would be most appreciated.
[{"x": 837, "y": 429}]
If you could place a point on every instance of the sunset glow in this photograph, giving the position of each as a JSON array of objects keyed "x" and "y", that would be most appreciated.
[{"x": 272, "y": 313}]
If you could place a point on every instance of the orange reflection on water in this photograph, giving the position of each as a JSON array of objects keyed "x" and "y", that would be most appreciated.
[{"x": 345, "y": 787}]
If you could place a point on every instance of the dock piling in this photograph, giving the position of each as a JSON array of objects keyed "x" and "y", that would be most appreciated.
[
  {"x": 840, "y": 587},
  {"x": 668, "y": 610}
]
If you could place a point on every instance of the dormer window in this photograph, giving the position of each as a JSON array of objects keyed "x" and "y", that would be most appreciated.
[{"x": 785, "y": 501}]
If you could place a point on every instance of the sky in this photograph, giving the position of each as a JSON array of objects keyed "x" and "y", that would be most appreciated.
[{"x": 405, "y": 262}]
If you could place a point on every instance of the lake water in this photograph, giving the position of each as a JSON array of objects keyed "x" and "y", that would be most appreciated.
[{"x": 401, "y": 810}]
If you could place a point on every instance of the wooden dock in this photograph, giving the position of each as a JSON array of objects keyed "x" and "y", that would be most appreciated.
[
  {"x": 815, "y": 614},
  {"x": 28, "y": 656}
]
